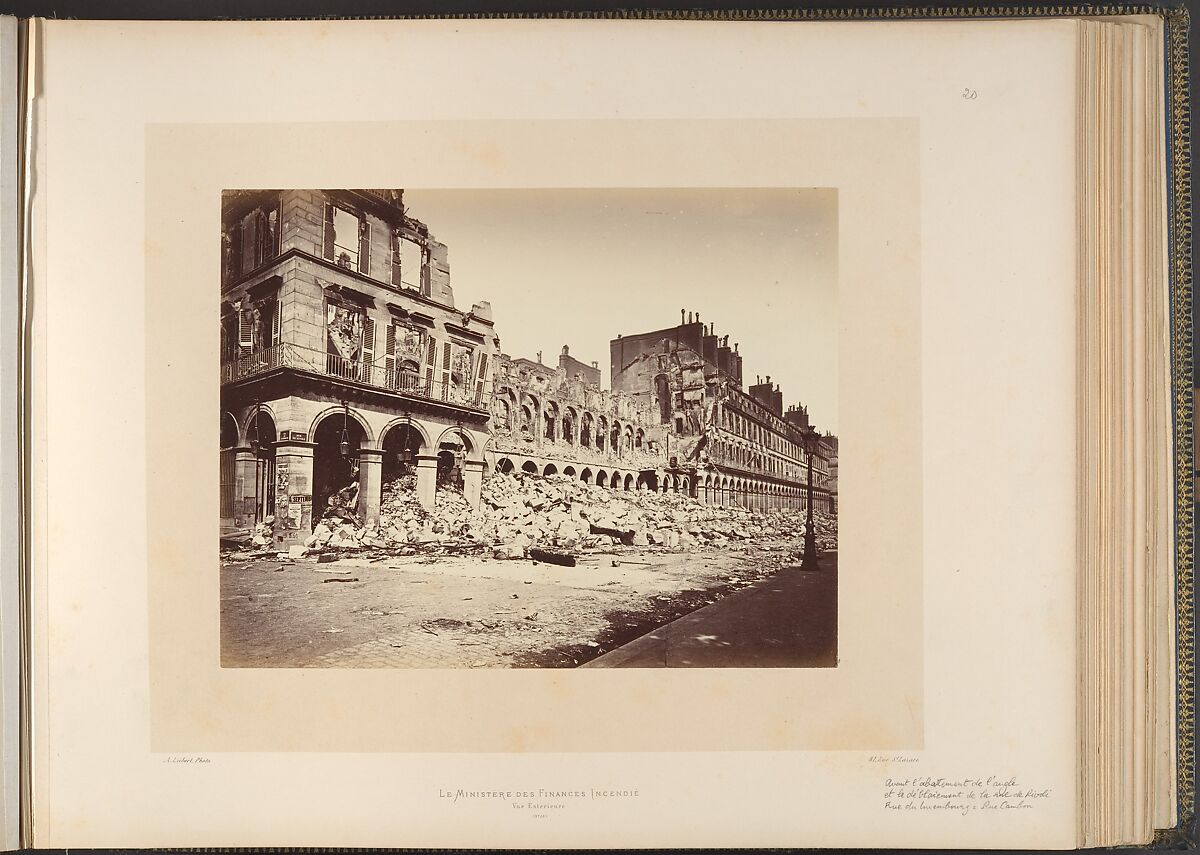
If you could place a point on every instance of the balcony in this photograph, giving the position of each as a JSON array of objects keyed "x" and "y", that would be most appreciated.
[{"x": 375, "y": 374}]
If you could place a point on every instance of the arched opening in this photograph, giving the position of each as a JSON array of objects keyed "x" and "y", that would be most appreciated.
[
  {"x": 505, "y": 465},
  {"x": 629, "y": 482},
  {"x": 648, "y": 481},
  {"x": 229, "y": 431},
  {"x": 568, "y": 427},
  {"x": 335, "y": 474},
  {"x": 601, "y": 433},
  {"x": 401, "y": 445},
  {"x": 586, "y": 476},
  {"x": 260, "y": 436},
  {"x": 638, "y": 439},
  {"x": 529, "y": 467},
  {"x": 586, "y": 430},
  {"x": 550, "y": 421},
  {"x": 550, "y": 469},
  {"x": 601, "y": 478},
  {"x": 229, "y": 441},
  {"x": 614, "y": 439},
  {"x": 501, "y": 413},
  {"x": 452, "y": 452},
  {"x": 628, "y": 440}
]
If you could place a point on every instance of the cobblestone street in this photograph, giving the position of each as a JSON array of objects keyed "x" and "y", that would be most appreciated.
[{"x": 418, "y": 612}]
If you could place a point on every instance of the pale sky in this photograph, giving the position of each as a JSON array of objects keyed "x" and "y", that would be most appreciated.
[{"x": 577, "y": 267}]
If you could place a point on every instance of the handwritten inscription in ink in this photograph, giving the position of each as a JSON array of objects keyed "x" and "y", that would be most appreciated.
[{"x": 961, "y": 795}]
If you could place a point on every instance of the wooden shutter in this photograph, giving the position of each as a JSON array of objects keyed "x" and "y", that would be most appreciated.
[
  {"x": 226, "y": 256},
  {"x": 364, "y": 245},
  {"x": 245, "y": 331},
  {"x": 389, "y": 358},
  {"x": 446, "y": 371},
  {"x": 396, "y": 273},
  {"x": 482, "y": 376},
  {"x": 328, "y": 235},
  {"x": 272, "y": 221},
  {"x": 431, "y": 364},
  {"x": 368, "y": 348},
  {"x": 262, "y": 237},
  {"x": 275, "y": 322}
]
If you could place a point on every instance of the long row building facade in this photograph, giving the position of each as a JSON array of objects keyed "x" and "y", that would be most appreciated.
[{"x": 737, "y": 447}]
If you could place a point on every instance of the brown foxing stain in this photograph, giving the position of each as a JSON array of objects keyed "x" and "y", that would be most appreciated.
[
  {"x": 855, "y": 732},
  {"x": 720, "y": 689},
  {"x": 527, "y": 738},
  {"x": 488, "y": 154}
]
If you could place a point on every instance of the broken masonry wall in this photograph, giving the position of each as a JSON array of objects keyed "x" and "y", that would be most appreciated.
[
  {"x": 303, "y": 221},
  {"x": 533, "y": 403},
  {"x": 439, "y": 273}
]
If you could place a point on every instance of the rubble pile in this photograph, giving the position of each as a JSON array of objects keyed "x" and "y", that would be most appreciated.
[
  {"x": 402, "y": 521},
  {"x": 520, "y": 511}
]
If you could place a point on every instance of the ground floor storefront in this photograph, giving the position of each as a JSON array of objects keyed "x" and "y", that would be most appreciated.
[{"x": 287, "y": 457}]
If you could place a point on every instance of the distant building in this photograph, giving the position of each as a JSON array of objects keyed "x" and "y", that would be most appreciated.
[
  {"x": 573, "y": 369},
  {"x": 343, "y": 357},
  {"x": 731, "y": 446}
]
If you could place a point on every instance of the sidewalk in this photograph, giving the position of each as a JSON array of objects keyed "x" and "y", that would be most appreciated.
[{"x": 787, "y": 621}]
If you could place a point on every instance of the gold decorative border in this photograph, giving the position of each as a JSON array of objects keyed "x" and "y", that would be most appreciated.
[{"x": 1182, "y": 355}]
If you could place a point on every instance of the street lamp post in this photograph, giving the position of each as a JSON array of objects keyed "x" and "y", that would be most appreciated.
[{"x": 810, "y": 534}]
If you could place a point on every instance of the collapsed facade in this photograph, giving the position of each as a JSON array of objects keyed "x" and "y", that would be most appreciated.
[
  {"x": 344, "y": 360},
  {"x": 736, "y": 447},
  {"x": 558, "y": 421}
]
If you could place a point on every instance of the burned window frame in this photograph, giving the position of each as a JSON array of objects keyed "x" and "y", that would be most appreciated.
[{"x": 258, "y": 220}]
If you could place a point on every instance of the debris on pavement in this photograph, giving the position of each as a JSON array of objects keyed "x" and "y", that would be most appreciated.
[{"x": 520, "y": 512}]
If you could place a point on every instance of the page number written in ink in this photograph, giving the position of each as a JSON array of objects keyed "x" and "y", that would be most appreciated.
[{"x": 969, "y": 94}]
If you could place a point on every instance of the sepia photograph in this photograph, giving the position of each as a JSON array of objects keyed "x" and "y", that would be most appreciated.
[{"x": 607, "y": 439}]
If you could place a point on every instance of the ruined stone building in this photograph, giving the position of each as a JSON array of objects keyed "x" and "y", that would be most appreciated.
[
  {"x": 732, "y": 446},
  {"x": 344, "y": 360},
  {"x": 558, "y": 421}
]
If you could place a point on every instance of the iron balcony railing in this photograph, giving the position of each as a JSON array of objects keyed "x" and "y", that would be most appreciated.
[{"x": 376, "y": 373}]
